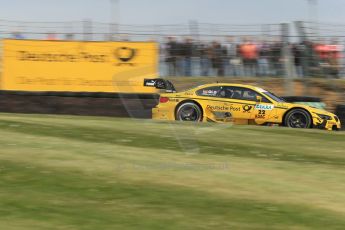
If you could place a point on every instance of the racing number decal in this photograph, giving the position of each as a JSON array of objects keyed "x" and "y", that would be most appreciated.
[{"x": 261, "y": 114}]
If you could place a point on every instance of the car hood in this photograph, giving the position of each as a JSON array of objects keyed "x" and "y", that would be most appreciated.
[{"x": 309, "y": 108}]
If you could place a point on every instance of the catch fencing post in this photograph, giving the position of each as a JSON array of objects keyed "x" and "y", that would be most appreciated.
[
  {"x": 305, "y": 54},
  {"x": 287, "y": 60}
]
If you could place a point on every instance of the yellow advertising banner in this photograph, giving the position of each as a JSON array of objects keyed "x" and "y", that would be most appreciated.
[{"x": 76, "y": 66}]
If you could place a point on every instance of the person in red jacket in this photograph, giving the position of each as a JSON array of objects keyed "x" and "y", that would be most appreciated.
[{"x": 249, "y": 54}]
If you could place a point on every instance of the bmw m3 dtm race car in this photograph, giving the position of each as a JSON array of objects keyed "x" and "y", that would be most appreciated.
[{"x": 237, "y": 103}]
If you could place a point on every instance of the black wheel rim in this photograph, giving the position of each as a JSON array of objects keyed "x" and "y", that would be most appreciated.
[
  {"x": 298, "y": 120},
  {"x": 189, "y": 113}
]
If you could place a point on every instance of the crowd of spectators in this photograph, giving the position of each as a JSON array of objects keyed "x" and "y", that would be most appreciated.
[
  {"x": 244, "y": 57},
  {"x": 249, "y": 58}
]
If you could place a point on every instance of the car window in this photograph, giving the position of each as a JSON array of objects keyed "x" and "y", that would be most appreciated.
[
  {"x": 231, "y": 92},
  {"x": 213, "y": 91},
  {"x": 241, "y": 93}
]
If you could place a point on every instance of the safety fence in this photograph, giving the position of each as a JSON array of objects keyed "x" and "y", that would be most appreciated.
[{"x": 300, "y": 49}]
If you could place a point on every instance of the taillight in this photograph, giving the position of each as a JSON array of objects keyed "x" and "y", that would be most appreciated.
[{"x": 163, "y": 99}]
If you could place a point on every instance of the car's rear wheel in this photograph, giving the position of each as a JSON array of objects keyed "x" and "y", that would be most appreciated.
[
  {"x": 189, "y": 111},
  {"x": 298, "y": 118}
]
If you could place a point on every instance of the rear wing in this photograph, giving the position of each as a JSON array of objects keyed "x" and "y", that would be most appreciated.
[{"x": 160, "y": 83}]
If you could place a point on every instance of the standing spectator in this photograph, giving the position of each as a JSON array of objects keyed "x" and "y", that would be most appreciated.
[
  {"x": 335, "y": 56},
  {"x": 263, "y": 61},
  {"x": 187, "y": 54},
  {"x": 227, "y": 51},
  {"x": 297, "y": 51},
  {"x": 217, "y": 58},
  {"x": 276, "y": 58},
  {"x": 234, "y": 62},
  {"x": 308, "y": 62},
  {"x": 225, "y": 60},
  {"x": 204, "y": 54},
  {"x": 172, "y": 50},
  {"x": 249, "y": 54}
]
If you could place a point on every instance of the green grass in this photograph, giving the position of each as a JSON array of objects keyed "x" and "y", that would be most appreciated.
[{"x": 66, "y": 172}]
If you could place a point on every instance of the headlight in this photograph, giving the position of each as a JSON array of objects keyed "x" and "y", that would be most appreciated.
[{"x": 324, "y": 117}]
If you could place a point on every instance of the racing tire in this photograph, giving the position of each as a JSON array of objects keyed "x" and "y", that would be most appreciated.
[
  {"x": 189, "y": 111},
  {"x": 298, "y": 118}
]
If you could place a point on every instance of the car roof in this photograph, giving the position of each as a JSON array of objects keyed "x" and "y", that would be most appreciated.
[{"x": 230, "y": 84}]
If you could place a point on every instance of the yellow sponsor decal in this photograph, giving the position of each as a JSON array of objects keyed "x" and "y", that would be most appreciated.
[{"x": 32, "y": 65}]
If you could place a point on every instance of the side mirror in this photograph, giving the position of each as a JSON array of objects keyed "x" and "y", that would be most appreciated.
[{"x": 258, "y": 99}]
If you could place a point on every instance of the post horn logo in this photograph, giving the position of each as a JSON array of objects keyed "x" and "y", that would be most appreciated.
[
  {"x": 125, "y": 55},
  {"x": 247, "y": 108}
]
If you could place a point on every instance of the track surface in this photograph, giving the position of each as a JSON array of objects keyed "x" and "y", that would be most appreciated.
[{"x": 65, "y": 172}]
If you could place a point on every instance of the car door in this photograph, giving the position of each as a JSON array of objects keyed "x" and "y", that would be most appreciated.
[
  {"x": 250, "y": 108},
  {"x": 215, "y": 104},
  {"x": 241, "y": 107}
]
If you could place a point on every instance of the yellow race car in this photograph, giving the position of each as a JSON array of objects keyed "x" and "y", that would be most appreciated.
[{"x": 236, "y": 103}]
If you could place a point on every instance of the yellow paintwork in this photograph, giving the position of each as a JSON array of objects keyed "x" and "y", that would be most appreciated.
[
  {"x": 78, "y": 66},
  {"x": 242, "y": 111}
]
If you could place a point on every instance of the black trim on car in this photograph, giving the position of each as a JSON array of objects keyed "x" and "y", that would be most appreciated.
[{"x": 220, "y": 100}]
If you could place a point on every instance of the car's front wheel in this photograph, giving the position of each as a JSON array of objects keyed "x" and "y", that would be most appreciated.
[
  {"x": 298, "y": 118},
  {"x": 189, "y": 111}
]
